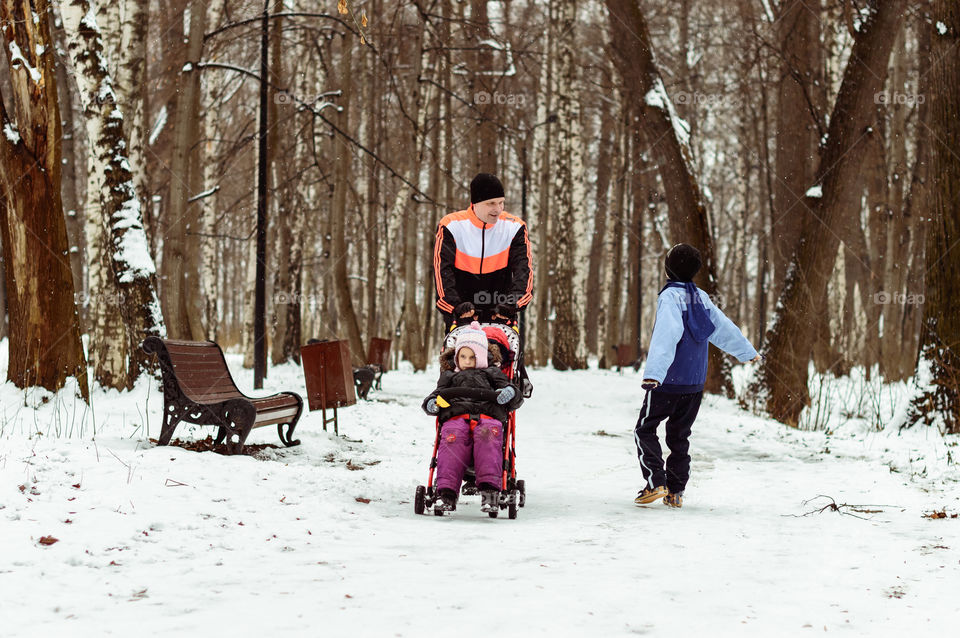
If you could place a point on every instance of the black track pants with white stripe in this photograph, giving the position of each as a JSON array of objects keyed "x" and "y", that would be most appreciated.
[{"x": 680, "y": 411}]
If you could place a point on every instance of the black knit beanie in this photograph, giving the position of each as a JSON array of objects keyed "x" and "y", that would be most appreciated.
[
  {"x": 485, "y": 186},
  {"x": 682, "y": 262}
]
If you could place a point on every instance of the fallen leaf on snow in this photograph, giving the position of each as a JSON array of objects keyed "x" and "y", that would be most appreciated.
[{"x": 48, "y": 540}]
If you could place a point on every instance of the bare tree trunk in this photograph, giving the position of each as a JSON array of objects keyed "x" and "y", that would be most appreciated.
[
  {"x": 938, "y": 371},
  {"x": 3, "y": 288},
  {"x": 594, "y": 290},
  {"x": 482, "y": 85},
  {"x": 286, "y": 300},
  {"x": 569, "y": 346},
  {"x": 421, "y": 99},
  {"x": 633, "y": 230},
  {"x": 782, "y": 378},
  {"x": 798, "y": 124},
  {"x": 911, "y": 241},
  {"x": 73, "y": 155},
  {"x": 44, "y": 343},
  {"x": 374, "y": 225},
  {"x": 613, "y": 280},
  {"x": 542, "y": 198},
  {"x": 338, "y": 214},
  {"x": 180, "y": 218},
  {"x": 160, "y": 107},
  {"x": 768, "y": 209}
]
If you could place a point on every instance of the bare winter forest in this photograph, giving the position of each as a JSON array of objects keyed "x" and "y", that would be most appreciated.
[{"x": 809, "y": 148}]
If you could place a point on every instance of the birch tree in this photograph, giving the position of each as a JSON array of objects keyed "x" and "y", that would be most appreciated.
[
  {"x": 130, "y": 276},
  {"x": 569, "y": 344}
]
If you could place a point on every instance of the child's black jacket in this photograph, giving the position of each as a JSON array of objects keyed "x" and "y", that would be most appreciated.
[{"x": 491, "y": 378}]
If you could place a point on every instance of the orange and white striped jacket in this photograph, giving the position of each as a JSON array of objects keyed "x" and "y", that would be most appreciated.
[{"x": 486, "y": 264}]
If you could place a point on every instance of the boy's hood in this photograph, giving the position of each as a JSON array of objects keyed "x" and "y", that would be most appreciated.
[{"x": 698, "y": 317}]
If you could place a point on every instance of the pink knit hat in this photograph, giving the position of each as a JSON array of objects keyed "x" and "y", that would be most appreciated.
[{"x": 474, "y": 338}]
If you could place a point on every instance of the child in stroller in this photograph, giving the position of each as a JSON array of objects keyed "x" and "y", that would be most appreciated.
[{"x": 472, "y": 402}]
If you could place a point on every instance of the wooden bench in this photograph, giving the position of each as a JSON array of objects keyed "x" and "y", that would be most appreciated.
[{"x": 198, "y": 388}]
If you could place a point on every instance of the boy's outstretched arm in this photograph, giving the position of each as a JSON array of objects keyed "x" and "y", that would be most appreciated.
[
  {"x": 728, "y": 337},
  {"x": 667, "y": 331}
]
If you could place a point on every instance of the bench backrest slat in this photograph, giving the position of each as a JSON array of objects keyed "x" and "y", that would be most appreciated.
[{"x": 201, "y": 371}]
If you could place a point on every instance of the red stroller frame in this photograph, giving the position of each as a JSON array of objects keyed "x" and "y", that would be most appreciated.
[{"x": 512, "y": 491}]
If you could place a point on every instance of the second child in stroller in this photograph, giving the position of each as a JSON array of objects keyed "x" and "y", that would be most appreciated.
[{"x": 472, "y": 428}]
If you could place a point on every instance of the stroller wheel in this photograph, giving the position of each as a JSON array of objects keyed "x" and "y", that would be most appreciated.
[
  {"x": 512, "y": 511},
  {"x": 492, "y": 514},
  {"x": 437, "y": 511},
  {"x": 418, "y": 501},
  {"x": 521, "y": 493}
]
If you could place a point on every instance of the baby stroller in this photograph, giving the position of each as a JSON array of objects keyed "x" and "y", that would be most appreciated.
[{"x": 512, "y": 490}]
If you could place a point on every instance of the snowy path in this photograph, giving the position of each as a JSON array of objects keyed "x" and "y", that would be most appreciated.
[{"x": 281, "y": 545}]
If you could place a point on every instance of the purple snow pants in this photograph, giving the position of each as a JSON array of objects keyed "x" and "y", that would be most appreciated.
[{"x": 459, "y": 448}]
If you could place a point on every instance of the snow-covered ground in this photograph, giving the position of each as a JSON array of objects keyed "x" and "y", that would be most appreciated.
[{"x": 160, "y": 540}]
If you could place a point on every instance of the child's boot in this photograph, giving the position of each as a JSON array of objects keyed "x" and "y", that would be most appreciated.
[
  {"x": 447, "y": 501},
  {"x": 490, "y": 500},
  {"x": 673, "y": 499},
  {"x": 650, "y": 494}
]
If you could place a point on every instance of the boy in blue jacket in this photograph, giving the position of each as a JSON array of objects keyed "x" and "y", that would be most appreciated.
[{"x": 676, "y": 369}]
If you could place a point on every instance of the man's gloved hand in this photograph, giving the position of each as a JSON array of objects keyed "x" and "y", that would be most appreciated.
[
  {"x": 649, "y": 384},
  {"x": 505, "y": 394},
  {"x": 506, "y": 310},
  {"x": 464, "y": 309},
  {"x": 432, "y": 406}
]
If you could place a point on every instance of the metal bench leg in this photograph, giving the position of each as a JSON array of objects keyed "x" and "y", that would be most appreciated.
[
  {"x": 171, "y": 419},
  {"x": 287, "y": 437}
]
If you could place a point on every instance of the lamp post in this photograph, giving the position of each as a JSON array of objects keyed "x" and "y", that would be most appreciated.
[{"x": 260, "y": 301}]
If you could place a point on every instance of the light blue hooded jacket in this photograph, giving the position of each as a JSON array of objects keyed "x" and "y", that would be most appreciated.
[{"x": 687, "y": 321}]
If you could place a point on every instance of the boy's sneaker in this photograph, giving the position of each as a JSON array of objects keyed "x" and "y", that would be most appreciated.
[
  {"x": 490, "y": 501},
  {"x": 673, "y": 499},
  {"x": 447, "y": 501},
  {"x": 649, "y": 495}
]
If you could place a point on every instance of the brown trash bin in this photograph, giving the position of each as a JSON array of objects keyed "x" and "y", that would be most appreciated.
[
  {"x": 378, "y": 353},
  {"x": 329, "y": 377}
]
